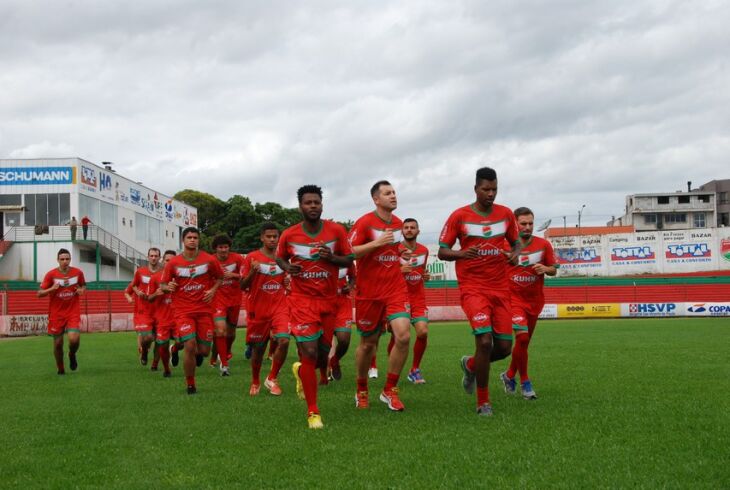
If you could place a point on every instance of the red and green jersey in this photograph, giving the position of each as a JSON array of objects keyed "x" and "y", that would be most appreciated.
[
  {"x": 343, "y": 278},
  {"x": 266, "y": 291},
  {"x": 525, "y": 285},
  {"x": 318, "y": 277},
  {"x": 486, "y": 232},
  {"x": 162, "y": 305},
  {"x": 64, "y": 302},
  {"x": 141, "y": 281},
  {"x": 193, "y": 277},
  {"x": 229, "y": 294},
  {"x": 418, "y": 261},
  {"x": 378, "y": 271}
]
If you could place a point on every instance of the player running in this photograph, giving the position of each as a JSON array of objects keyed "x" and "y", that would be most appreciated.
[
  {"x": 64, "y": 285},
  {"x": 415, "y": 273},
  {"x": 526, "y": 280},
  {"x": 138, "y": 293},
  {"x": 343, "y": 321},
  {"x": 227, "y": 301},
  {"x": 164, "y": 318},
  {"x": 312, "y": 252},
  {"x": 193, "y": 277},
  {"x": 481, "y": 271},
  {"x": 267, "y": 312},
  {"x": 381, "y": 294}
]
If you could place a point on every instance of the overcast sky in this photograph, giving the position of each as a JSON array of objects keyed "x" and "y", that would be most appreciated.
[{"x": 573, "y": 102}]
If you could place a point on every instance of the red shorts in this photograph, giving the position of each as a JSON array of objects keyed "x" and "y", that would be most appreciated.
[
  {"x": 310, "y": 318},
  {"x": 58, "y": 325},
  {"x": 371, "y": 314},
  {"x": 144, "y": 324},
  {"x": 488, "y": 312},
  {"x": 343, "y": 317},
  {"x": 227, "y": 313},
  {"x": 523, "y": 318},
  {"x": 163, "y": 333},
  {"x": 419, "y": 310},
  {"x": 193, "y": 325},
  {"x": 258, "y": 330}
]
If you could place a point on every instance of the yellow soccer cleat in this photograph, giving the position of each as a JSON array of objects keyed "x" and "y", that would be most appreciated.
[
  {"x": 300, "y": 389},
  {"x": 315, "y": 421}
]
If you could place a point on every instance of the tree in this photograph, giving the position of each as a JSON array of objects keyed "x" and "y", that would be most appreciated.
[{"x": 210, "y": 208}]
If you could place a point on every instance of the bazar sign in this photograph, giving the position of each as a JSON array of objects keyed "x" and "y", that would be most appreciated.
[
  {"x": 590, "y": 310},
  {"x": 38, "y": 176}
]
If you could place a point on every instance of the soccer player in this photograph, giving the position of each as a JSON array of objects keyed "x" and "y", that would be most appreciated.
[
  {"x": 381, "y": 294},
  {"x": 64, "y": 285},
  {"x": 267, "y": 312},
  {"x": 526, "y": 279},
  {"x": 343, "y": 321},
  {"x": 138, "y": 293},
  {"x": 227, "y": 302},
  {"x": 312, "y": 253},
  {"x": 164, "y": 318},
  {"x": 481, "y": 271},
  {"x": 415, "y": 273},
  {"x": 193, "y": 277}
]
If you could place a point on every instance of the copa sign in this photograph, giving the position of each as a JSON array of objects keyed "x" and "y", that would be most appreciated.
[
  {"x": 708, "y": 309},
  {"x": 38, "y": 176}
]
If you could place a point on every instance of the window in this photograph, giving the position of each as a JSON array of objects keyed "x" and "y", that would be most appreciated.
[
  {"x": 699, "y": 220},
  {"x": 16, "y": 199},
  {"x": 683, "y": 199},
  {"x": 100, "y": 213},
  {"x": 46, "y": 209},
  {"x": 662, "y": 200},
  {"x": 724, "y": 219},
  {"x": 650, "y": 219},
  {"x": 704, "y": 198},
  {"x": 722, "y": 197},
  {"x": 148, "y": 229},
  {"x": 29, "y": 213},
  {"x": 675, "y": 218}
]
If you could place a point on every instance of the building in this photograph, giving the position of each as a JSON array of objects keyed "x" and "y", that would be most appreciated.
[
  {"x": 39, "y": 197},
  {"x": 721, "y": 188},
  {"x": 670, "y": 211}
]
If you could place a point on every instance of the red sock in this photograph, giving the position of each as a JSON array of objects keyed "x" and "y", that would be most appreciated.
[
  {"x": 519, "y": 358},
  {"x": 272, "y": 347},
  {"x": 190, "y": 380},
  {"x": 229, "y": 343},
  {"x": 256, "y": 373},
  {"x": 391, "y": 343},
  {"x": 362, "y": 384},
  {"x": 419, "y": 347},
  {"x": 59, "y": 366},
  {"x": 334, "y": 362},
  {"x": 165, "y": 356},
  {"x": 373, "y": 362},
  {"x": 222, "y": 346},
  {"x": 309, "y": 383},
  {"x": 275, "y": 368},
  {"x": 470, "y": 364},
  {"x": 323, "y": 375},
  {"x": 482, "y": 396},
  {"x": 391, "y": 381}
]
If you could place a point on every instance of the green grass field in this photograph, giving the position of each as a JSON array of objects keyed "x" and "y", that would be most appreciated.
[{"x": 623, "y": 403}]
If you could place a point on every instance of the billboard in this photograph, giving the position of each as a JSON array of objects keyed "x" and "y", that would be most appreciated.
[
  {"x": 590, "y": 310},
  {"x": 652, "y": 309},
  {"x": 37, "y": 176}
]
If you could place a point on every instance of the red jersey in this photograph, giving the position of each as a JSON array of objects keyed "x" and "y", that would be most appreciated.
[
  {"x": 418, "y": 260},
  {"x": 193, "y": 277},
  {"x": 229, "y": 294},
  {"x": 141, "y": 280},
  {"x": 64, "y": 302},
  {"x": 318, "y": 277},
  {"x": 487, "y": 233},
  {"x": 162, "y": 305},
  {"x": 379, "y": 270},
  {"x": 343, "y": 279},
  {"x": 524, "y": 284},
  {"x": 266, "y": 290}
]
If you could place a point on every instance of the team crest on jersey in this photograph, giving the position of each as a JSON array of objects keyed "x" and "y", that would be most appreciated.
[
  {"x": 308, "y": 251},
  {"x": 270, "y": 269},
  {"x": 145, "y": 279},
  {"x": 397, "y": 234},
  {"x": 66, "y": 281},
  {"x": 530, "y": 258},
  {"x": 229, "y": 267},
  {"x": 191, "y": 272},
  {"x": 485, "y": 230},
  {"x": 342, "y": 273}
]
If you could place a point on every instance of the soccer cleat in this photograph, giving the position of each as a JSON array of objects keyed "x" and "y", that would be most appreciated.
[
  {"x": 361, "y": 400},
  {"x": 225, "y": 371},
  {"x": 254, "y": 389},
  {"x": 248, "y": 352},
  {"x": 527, "y": 392},
  {"x": 509, "y": 383},
  {"x": 61, "y": 372},
  {"x": 199, "y": 360},
  {"x": 391, "y": 398},
  {"x": 314, "y": 420},
  {"x": 154, "y": 368},
  {"x": 485, "y": 410},
  {"x": 335, "y": 372},
  {"x": 324, "y": 381},
  {"x": 373, "y": 373},
  {"x": 166, "y": 374},
  {"x": 295, "y": 370},
  {"x": 72, "y": 361},
  {"x": 273, "y": 386},
  {"x": 192, "y": 390},
  {"x": 143, "y": 357},
  {"x": 416, "y": 377},
  {"x": 469, "y": 379},
  {"x": 174, "y": 356}
]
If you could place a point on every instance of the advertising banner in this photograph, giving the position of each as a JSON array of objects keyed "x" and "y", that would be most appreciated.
[
  {"x": 652, "y": 309},
  {"x": 549, "y": 311},
  {"x": 590, "y": 310},
  {"x": 707, "y": 309},
  {"x": 25, "y": 325},
  {"x": 687, "y": 250},
  {"x": 37, "y": 176}
]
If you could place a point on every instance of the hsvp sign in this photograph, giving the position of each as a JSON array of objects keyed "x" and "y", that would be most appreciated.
[{"x": 653, "y": 309}]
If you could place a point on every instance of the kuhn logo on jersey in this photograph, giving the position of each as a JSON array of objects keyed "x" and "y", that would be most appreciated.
[
  {"x": 189, "y": 288},
  {"x": 271, "y": 287},
  {"x": 388, "y": 258},
  {"x": 524, "y": 279},
  {"x": 686, "y": 250}
]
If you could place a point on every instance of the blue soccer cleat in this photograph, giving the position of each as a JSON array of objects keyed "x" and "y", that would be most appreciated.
[
  {"x": 510, "y": 385},
  {"x": 527, "y": 392},
  {"x": 469, "y": 379}
]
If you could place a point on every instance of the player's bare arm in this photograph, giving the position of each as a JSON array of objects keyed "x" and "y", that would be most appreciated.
[
  {"x": 288, "y": 267},
  {"x": 450, "y": 255},
  {"x": 80, "y": 290},
  {"x": 209, "y": 294},
  {"x": 45, "y": 292},
  {"x": 339, "y": 260},
  {"x": 545, "y": 269},
  {"x": 246, "y": 280}
]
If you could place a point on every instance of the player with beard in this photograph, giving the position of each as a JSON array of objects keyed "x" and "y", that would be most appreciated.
[
  {"x": 138, "y": 293},
  {"x": 64, "y": 285},
  {"x": 481, "y": 270},
  {"x": 312, "y": 253},
  {"x": 526, "y": 279},
  {"x": 193, "y": 277}
]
